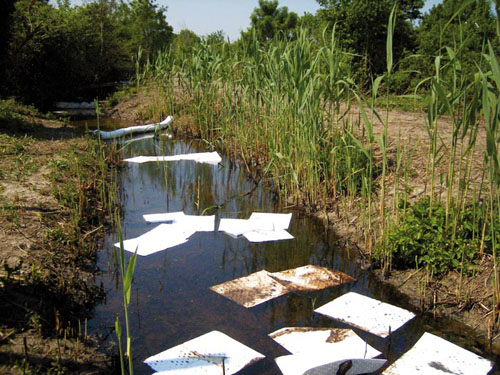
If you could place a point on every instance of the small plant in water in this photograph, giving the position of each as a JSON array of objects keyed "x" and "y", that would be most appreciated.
[{"x": 127, "y": 273}]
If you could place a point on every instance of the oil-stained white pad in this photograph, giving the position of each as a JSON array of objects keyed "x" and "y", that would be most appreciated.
[
  {"x": 357, "y": 366},
  {"x": 277, "y": 221},
  {"x": 434, "y": 355},
  {"x": 366, "y": 313},
  {"x": 267, "y": 235},
  {"x": 164, "y": 217},
  {"x": 312, "y": 277},
  {"x": 262, "y": 286},
  {"x": 298, "y": 364},
  {"x": 251, "y": 290},
  {"x": 201, "y": 157},
  {"x": 332, "y": 342},
  {"x": 313, "y": 347},
  {"x": 162, "y": 237},
  {"x": 236, "y": 227},
  {"x": 213, "y": 354}
]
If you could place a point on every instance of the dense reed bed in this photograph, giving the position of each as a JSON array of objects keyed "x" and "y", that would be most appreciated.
[{"x": 293, "y": 114}]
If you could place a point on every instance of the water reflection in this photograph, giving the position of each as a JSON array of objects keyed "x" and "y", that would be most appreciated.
[{"x": 171, "y": 300}]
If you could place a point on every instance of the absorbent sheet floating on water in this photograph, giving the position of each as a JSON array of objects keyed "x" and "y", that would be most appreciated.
[
  {"x": 268, "y": 235},
  {"x": 164, "y": 217},
  {"x": 311, "y": 277},
  {"x": 434, "y": 355},
  {"x": 201, "y": 157},
  {"x": 162, "y": 237},
  {"x": 133, "y": 129},
  {"x": 311, "y": 347},
  {"x": 340, "y": 341},
  {"x": 236, "y": 227},
  {"x": 366, "y": 313},
  {"x": 263, "y": 286},
  {"x": 348, "y": 367},
  {"x": 213, "y": 354},
  {"x": 260, "y": 227},
  {"x": 277, "y": 221},
  {"x": 251, "y": 290},
  {"x": 186, "y": 222}
]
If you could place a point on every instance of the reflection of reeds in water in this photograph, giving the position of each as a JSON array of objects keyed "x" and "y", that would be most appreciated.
[{"x": 286, "y": 109}]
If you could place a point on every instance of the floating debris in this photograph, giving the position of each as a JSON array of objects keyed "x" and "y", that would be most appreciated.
[
  {"x": 162, "y": 237},
  {"x": 213, "y": 353},
  {"x": 198, "y": 223},
  {"x": 134, "y": 129},
  {"x": 306, "y": 339},
  {"x": 348, "y": 367},
  {"x": 188, "y": 222},
  {"x": 200, "y": 157},
  {"x": 434, "y": 355},
  {"x": 164, "y": 217},
  {"x": 313, "y": 347},
  {"x": 263, "y": 286},
  {"x": 366, "y": 313},
  {"x": 260, "y": 227},
  {"x": 237, "y": 227},
  {"x": 165, "y": 236},
  {"x": 311, "y": 277},
  {"x": 75, "y": 105},
  {"x": 277, "y": 221},
  {"x": 251, "y": 290},
  {"x": 268, "y": 235}
]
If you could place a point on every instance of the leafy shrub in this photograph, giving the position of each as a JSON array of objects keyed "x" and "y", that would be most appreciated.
[{"x": 421, "y": 239}]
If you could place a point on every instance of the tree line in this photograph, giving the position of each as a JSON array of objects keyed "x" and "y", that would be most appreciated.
[{"x": 58, "y": 51}]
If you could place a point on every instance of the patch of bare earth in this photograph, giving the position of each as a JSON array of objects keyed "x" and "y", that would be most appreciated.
[{"x": 45, "y": 287}]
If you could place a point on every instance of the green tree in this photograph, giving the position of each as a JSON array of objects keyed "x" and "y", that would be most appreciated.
[
  {"x": 269, "y": 20},
  {"x": 184, "y": 42},
  {"x": 362, "y": 27},
  {"x": 464, "y": 26},
  {"x": 6, "y": 10},
  {"x": 144, "y": 25}
]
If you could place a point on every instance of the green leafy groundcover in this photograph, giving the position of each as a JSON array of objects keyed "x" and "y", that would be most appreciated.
[{"x": 422, "y": 240}]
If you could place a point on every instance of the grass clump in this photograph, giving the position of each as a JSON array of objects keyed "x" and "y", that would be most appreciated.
[{"x": 421, "y": 239}]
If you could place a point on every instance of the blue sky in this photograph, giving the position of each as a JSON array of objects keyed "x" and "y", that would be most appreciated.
[{"x": 231, "y": 16}]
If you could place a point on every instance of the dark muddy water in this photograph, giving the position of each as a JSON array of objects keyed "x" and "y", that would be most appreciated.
[{"x": 171, "y": 301}]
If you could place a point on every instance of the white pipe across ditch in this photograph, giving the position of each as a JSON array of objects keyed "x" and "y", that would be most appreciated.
[{"x": 133, "y": 129}]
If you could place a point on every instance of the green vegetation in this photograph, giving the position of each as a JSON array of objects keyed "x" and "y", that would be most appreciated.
[
  {"x": 65, "y": 53},
  {"x": 306, "y": 104},
  {"x": 57, "y": 195},
  {"x": 299, "y": 112},
  {"x": 269, "y": 21}
]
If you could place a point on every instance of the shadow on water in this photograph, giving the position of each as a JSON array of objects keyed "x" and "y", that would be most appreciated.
[{"x": 171, "y": 300}]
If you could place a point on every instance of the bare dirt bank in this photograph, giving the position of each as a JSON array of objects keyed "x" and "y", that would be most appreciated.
[{"x": 51, "y": 221}]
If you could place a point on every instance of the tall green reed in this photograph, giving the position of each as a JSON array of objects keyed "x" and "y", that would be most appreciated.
[
  {"x": 127, "y": 273},
  {"x": 286, "y": 110}
]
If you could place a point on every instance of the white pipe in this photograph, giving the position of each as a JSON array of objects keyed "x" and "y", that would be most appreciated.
[{"x": 133, "y": 129}]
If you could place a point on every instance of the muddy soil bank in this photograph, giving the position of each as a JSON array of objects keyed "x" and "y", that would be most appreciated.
[
  {"x": 464, "y": 297},
  {"x": 51, "y": 222}
]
